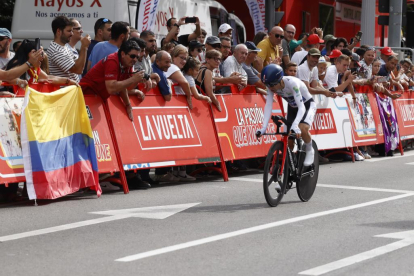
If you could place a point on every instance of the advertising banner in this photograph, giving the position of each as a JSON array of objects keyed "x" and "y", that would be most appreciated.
[
  {"x": 404, "y": 107},
  {"x": 257, "y": 13},
  {"x": 164, "y": 133},
  {"x": 237, "y": 123}
]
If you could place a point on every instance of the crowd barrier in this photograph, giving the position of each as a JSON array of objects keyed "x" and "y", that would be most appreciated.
[{"x": 168, "y": 133}]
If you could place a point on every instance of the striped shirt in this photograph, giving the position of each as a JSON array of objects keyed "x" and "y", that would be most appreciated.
[{"x": 61, "y": 60}]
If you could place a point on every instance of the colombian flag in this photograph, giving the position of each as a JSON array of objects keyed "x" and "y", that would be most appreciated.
[{"x": 58, "y": 148}]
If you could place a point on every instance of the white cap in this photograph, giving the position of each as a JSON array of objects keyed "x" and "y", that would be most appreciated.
[
  {"x": 321, "y": 60},
  {"x": 224, "y": 28}
]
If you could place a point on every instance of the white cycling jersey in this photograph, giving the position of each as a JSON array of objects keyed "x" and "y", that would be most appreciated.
[{"x": 295, "y": 93}]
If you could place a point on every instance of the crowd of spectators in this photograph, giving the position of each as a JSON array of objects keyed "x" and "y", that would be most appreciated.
[{"x": 119, "y": 58}]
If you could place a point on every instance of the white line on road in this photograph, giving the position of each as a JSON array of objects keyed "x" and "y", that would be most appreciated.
[
  {"x": 253, "y": 229},
  {"x": 336, "y": 186},
  {"x": 377, "y": 159},
  {"x": 410, "y": 163}
]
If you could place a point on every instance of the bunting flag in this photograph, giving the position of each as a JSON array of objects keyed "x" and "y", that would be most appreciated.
[
  {"x": 58, "y": 149},
  {"x": 389, "y": 122}
]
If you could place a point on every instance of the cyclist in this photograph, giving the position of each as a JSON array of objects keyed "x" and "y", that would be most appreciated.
[{"x": 301, "y": 107}]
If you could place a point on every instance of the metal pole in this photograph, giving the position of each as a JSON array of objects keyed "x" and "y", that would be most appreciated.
[
  {"x": 269, "y": 14},
  {"x": 394, "y": 31},
  {"x": 368, "y": 22}
]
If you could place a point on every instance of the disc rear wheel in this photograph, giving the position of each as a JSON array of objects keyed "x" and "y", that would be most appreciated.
[{"x": 307, "y": 185}]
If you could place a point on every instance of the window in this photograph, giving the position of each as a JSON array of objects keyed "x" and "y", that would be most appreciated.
[{"x": 326, "y": 18}]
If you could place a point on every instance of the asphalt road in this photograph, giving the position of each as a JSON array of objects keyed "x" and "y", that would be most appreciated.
[{"x": 223, "y": 228}]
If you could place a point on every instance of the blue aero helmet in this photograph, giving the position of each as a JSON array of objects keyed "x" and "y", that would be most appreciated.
[{"x": 271, "y": 75}]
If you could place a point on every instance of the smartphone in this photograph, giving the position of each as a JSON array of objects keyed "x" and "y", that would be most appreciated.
[
  {"x": 353, "y": 70},
  {"x": 358, "y": 36},
  {"x": 37, "y": 43},
  {"x": 190, "y": 20}
]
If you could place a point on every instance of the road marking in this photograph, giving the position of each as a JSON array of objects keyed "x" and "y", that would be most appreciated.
[
  {"x": 253, "y": 229},
  {"x": 378, "y": 159},
  {"x": 336, "y": 186},
  {"x": 410, "y": 163},
  {"x": 406, "y": 239},
  {"x": 156, "y": 212}
]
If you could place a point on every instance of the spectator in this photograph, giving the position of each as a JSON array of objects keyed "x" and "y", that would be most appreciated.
[
  {"x": 225, "y": 30},
  {"x": 205, "y": 76},
  {"x": 329, "y": 40},
  {"x": 313, "y": 42},
  {"x": 365, "y": 71},
  {"x": 322, "y": 66},
  {"x": 195, "y": 49},
  {"x": 303, "y": 37},
  {"x": 202, "y": 37},
  {"x": 308, "y": 73},
  {"x": 291, "y": 69},
  {"x": 169, "y": 47},
  {"x": 361, "y": 51},
  {"x": 405, "y": 81},
  {"x": 179, "y": 58},
  {"x": 153, "y": 77},
  {"x": 190, "y": 71},
  {"x": 234, "y": 64},
  {"x": 62, "y": 62},
  {"x": 225, "y": 51},
  {"x": 13, "y": 74},
  {"x": 253, "y": 76},
  {"x": 106, "y": 78},
  {"x": 386, "y": 52},
  {"x": 347, "y": 52},
  {"x": 35, "y": 73},
  {"x": 161, "y": 65},
  {"x": 5, "y": 53},
  {"x": 213, "y": 43},
  {"x": 44, "y": 63},
  {"x": 259, "y": 37},
  {"x": 16, "y": 45},
  {"x": 334, "y": 55},
  {"x": 271, "y": 48},
  {"x": 173, "y": 27},
  {"x": 76, "y": 37},
  {"x": 295, "y": 46},
  {"x": 340, "y": 43},
  {"x": 340, "y": 67},
  {"x": 119, "y": 34},
  {"x": 134, "y": 33},
  {"x": 102, "y": 31},
  {"x": 290, "y": 31},
  {"x": 151, "y": 46},
  {"x": 386, "y": 71}
]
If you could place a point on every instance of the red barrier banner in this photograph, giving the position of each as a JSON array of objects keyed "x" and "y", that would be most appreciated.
[
  {"x": 163, "y": 133},
  {"x": 365, "y": 121},
  {"x": 241, "y": 116},
  {"x": 404, "y": 108},
  {"x": 105, "y": 153}
]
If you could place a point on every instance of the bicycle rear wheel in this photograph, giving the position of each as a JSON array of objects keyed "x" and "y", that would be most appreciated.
[
  {"x": 274, "y": 183},
  {"x": 307, "y": 185}
]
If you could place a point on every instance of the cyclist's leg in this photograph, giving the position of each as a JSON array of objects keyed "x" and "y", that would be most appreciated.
[
  {"x": 290, "y": 117},
  {"x": 304, "y": 126}
]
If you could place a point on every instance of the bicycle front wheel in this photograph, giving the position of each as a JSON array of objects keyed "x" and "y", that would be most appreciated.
[
  {"x": 307, "y": 185},
  {"x": 274, "y": 183}
]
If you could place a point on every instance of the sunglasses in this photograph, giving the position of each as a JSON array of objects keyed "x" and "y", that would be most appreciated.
[
  {"x": 3, "y": 38},
  {"x": 279, "y": 36},
  {"x": 78, "y": 28},
  {"x": 217, "y": 46},
  {"x": 105, "y": 20},
  {"x": 133, "y": 56}
]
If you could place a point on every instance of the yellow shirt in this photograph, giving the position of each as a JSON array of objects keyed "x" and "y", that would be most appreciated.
[{"x": 268, "y": 51}]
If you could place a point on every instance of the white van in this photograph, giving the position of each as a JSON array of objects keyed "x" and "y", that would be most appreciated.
[{"x": 32, "y": 19}]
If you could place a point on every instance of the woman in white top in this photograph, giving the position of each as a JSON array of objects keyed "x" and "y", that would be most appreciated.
[{"x": 179, "y": 58}]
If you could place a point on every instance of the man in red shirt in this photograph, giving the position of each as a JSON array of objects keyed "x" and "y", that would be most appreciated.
[{"x": 114, "y": 75}]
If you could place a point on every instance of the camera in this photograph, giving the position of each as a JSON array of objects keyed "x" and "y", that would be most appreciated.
[{"x": 139, "y": 69}]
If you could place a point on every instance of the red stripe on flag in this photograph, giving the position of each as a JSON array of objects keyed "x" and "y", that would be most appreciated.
[{"x": 61, "y": 182}]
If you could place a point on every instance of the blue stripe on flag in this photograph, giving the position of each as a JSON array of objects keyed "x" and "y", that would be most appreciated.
[{"x": 62, "y": 153}]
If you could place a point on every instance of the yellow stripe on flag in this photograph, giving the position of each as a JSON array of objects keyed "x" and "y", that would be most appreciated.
[{"x": 49, "y": 115}]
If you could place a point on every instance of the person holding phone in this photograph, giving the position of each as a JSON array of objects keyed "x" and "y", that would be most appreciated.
[{"x": 173, "y": 27}]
